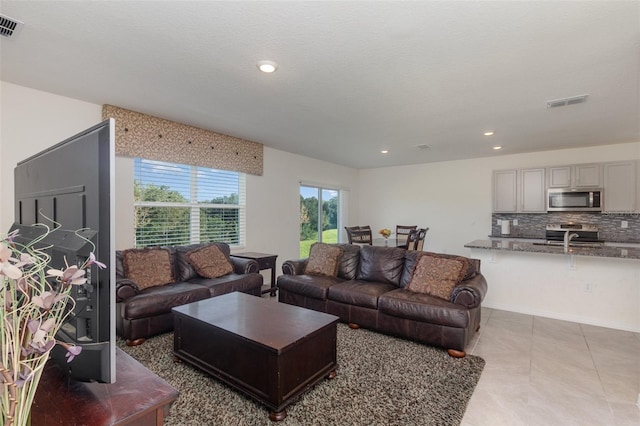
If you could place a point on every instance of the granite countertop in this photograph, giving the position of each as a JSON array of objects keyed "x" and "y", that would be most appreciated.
[
  {"x": 509, "y": 244},
  {"x": 542, "y": 238}
]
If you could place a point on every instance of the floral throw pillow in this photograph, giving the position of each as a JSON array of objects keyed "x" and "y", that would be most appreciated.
[
  {"x": 437, "y": 276},
  {"x": 210, "y": 262},
  {"x": 148, "y": 267},
  {"x": 323, "y": 260}
]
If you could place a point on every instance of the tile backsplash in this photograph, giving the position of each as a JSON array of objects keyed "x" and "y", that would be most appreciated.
[{"x": 533, "y": 225}]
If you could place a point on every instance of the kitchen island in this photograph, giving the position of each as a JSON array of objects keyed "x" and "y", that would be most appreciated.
[{"x": 589, "y": 285}]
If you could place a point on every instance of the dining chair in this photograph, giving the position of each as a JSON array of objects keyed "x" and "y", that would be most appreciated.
[
  {"x": 359, "y": 234},
  {"x": 402, "y": 231},
  {"x": 412, "y": 240},
  {"x": 422, "y": 233}
]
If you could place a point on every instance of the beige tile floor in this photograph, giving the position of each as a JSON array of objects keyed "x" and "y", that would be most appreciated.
[
  {"x": 546, "y": 372},
  {"x": 541, "y": 371}
]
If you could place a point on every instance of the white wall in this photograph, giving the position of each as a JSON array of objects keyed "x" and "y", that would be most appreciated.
[
  {"x": 33, "y": 120},
  {"x": 30, "y": 121},
  {"x": 454, "y": 200}
]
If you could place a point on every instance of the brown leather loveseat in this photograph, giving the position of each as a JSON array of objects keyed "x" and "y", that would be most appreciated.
[
  {"x": 149, "y": 282},
  {"x": 428, "y": 297}
]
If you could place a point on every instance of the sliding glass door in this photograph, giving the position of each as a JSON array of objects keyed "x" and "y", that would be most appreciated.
[{"x": 319, "y": 213}]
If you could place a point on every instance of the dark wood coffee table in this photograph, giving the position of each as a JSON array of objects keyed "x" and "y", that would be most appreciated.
[{"x": 271, "y": 351}]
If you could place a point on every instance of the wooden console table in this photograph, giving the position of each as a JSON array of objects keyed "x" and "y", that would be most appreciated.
[
  {"x": 265, "y": 261},
  {"x": 138, "y": 397}
]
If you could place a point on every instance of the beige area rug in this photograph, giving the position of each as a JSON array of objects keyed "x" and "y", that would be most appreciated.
[{"x": 381, "y": 380}]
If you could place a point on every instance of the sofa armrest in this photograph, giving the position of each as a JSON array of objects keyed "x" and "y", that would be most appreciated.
[
  {"x": 471, "y": 292},
  {"x": 244, "y": 266},
  {"x": 125, "y": 289},
  {"x": 294, "y": 266}
]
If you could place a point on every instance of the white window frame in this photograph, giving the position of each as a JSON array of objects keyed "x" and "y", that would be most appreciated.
[{"x": 195, "y": 207}]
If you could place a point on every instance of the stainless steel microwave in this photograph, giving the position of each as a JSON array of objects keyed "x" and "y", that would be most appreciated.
[{"x": 575, "y": 199}]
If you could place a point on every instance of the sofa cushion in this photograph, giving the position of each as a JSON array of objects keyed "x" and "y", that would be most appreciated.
[
  {"x": 209, "y": 261},
  {"x": 159, "y": 300},
  {"x": 349, "y": 261},
  {"x": 148, "y": 267},
  {"x": 323, "y": 259},
  {"x": 423, "y": 307},
  {"x": 411, "y": 258},
  {"x": 381, "y": 264},
  {"x": 437, "y": 276},
  {"x": 246, "y": 283},
  {"x": 314, "y": 286},
  {"x": 359, "y": 293}
]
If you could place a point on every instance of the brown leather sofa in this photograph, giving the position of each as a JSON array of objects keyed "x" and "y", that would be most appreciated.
[
  {"x": 370, "y": 290},
  {"x": 142, "y": 313}
]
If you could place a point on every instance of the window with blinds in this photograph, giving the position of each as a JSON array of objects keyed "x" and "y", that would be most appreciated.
[{"x": 179, "y": 204}]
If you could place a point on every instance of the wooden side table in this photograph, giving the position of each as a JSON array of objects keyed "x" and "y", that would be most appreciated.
[
  {"x": 137, "y": 398},
  {"x": 265, "y": 261}
]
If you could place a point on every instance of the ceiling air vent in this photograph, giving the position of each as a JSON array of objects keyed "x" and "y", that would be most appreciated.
[
  {"x": 423, "y": 146},
  {"x": 567, "y": 101},
  {"x": 9, "y": 27}
]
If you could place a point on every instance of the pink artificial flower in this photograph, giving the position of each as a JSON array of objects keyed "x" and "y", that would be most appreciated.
[
  {"x": 93, "y": 261},
  {"x": 40, "y": 330},
  {"x": 72, "y": 275},
  {"x": 25, "y": 259},
  {"x": 6, "y": 268},
  {"x": 72, "y": 352},
  {"x": 46, "y": 299}
]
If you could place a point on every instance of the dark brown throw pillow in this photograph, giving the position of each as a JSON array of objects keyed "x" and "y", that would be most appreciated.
[
  {"x": 323, "y": 260},
  {"x": 437, "y": 276},
  {"x": 148, "y": 267},
  {"x": 210, "y": 262}
]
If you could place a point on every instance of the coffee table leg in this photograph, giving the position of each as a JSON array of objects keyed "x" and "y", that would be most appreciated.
[
  {"x": 277, "y": 416},
  {"x": 332, "y": 374}
]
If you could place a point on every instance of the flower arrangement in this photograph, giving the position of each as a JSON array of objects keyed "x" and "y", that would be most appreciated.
[
  {"x": 386, "y": 233},
  {"x": 34, "y": 303}
]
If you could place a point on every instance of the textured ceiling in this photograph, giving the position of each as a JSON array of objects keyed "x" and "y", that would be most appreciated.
[{"x": 354, "y": 77}]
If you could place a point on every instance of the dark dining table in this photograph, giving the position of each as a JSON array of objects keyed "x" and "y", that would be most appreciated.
[{"x": 390, "y": 242}]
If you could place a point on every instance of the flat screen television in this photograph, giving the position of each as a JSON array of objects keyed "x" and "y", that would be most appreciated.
[{"x": 72, "y": 184}]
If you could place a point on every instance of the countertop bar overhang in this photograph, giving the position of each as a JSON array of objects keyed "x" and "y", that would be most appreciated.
[{"x": 508, "y": 244}]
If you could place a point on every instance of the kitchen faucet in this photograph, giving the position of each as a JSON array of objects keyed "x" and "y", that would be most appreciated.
[{"x": 568, "y": 236}]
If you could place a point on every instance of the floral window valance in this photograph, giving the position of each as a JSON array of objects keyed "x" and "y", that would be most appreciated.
[{"x": 146, "y": 136}]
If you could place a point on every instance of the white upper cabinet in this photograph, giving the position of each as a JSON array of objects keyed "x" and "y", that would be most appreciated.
[
  {"x": 587, "y": 175},
  {"x": 533, "y": 191},
  {"x": 575, "y": 176},
  {"x": 519, "y": 191},
  {"x": 505, "y": 191},
  {"x": 620, "y": 186},
  {"x": 559, "y": 177}
]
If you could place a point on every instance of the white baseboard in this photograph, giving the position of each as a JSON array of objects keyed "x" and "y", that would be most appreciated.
[{"x": 565, "y": 317}]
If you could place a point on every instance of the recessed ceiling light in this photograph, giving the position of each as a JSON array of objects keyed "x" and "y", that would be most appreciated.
[
  {"x": 384, "y": 151},
  {"x": 489, "y": 133},
  {"x": 497, "y": 147},
  {"x": 267, "y": 66}
]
